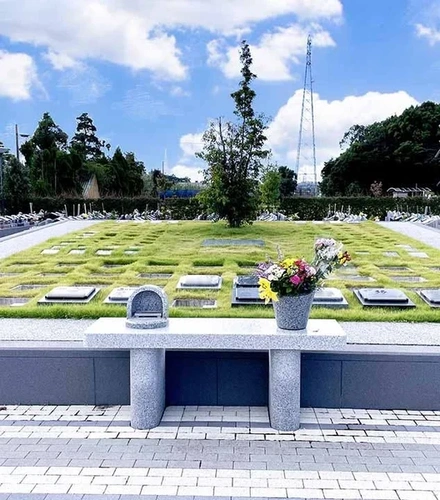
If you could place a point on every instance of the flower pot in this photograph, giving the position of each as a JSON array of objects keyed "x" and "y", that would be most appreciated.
[{"x": 292, "y": 312}]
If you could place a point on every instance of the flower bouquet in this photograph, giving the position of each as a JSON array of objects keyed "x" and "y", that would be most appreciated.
[{"x": 288, "y": 279}]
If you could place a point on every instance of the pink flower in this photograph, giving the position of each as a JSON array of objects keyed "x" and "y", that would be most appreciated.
[{"x": 296, "y": 280}]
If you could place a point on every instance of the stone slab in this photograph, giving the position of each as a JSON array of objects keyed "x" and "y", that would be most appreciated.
[
  {"x": 329, "y": 297},
  {"x": 431, "y": 296},
  {"x": 70, "y": 295},
  {"x": 216, "y": 333},
  {"x": 120, "y": 295},
  {"x": 204, "y": 281},
  {"x": 383, "y": 297},
  {"x": 419, "y": 255}
]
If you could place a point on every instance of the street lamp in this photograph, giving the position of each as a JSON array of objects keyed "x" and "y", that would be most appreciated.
[
  {"x": 17, "y": 145},
  {"x": 3, "y": 151}
]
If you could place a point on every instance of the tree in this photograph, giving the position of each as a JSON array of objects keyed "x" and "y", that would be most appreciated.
[
  {"x": 85, "y": 141},
  {"x": 16, "y": 182},
  {"x": 270, "y": 188},
  {"x": 399, "y": 151},
  {"x": 234, "y": 153},
  {"x": 288, "y": 182}
]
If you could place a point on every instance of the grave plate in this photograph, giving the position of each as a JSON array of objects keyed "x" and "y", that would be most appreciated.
[
  {"x": 431, "y": 296},
  {"x": 7, "y": 275},
  {"x": 247, "y": 281},
  {"x": 13, "y": 301},
  {"x": 131, "y": 252},
  {"x": 50, "y": 251},
  {"x": 408, "y": 279},
  {"x": 329, "y": 297},
  {"x": 70, "y": 295},
  {"x": 198, "y": 303},
  {"x": 120, "y": 295},
  {"x": 23, "y": 288},
  {"x": 391, "y": 254},
  {"x": 358, "y": 277},
  {"x": 382, "y": 297},
  {"x": 362, "y": 253},
  {"x": 155, "y": 276},
  {"x": 104, "y": 252},
  {"x": 232, "y": 243},
  {"x": 245, "y": 295},
  {"x": 205, "y": 281},
  {"x": 77, "y": 251},
  {"x": 419, "y": 255},
  {"x": 406, "y": 247},
  {"x": 394, "y": 269}
]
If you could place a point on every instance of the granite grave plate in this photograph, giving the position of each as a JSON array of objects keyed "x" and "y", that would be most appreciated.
[
  {"x": 408, "y": 279},
  {"x": 205, "y": 281},
  {"x": 247, "y": 281},
  {"x": 383, "y": 297},
  {"x": 232, "y": 243},
  {"x": 155, "y": 276},
  {"x": 104, "y": 252},
  {"x": 50, "y": 251},
  {"x": 70, "y": 294},
  {"x": 13, "y": 301},
  {"x": 357, "y": 277},
  {"x": 390, "y": 254},
  {"x": 394, "y": 269},
  {"x": 77, "y": 251},
  {"x": 120, "y": 295},
  {"x": 24, "y": 288},
  {"x": 419, "y": 255},
  {"x": 431, "y": 296},
  {"x": 198, "y": 303},
  {"x": 329, "y": 297}
]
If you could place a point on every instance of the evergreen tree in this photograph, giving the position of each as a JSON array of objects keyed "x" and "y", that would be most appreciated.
[{"x": 16, "y": 184}]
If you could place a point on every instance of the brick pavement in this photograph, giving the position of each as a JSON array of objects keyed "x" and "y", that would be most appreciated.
[{"x": 86, "y": 452}]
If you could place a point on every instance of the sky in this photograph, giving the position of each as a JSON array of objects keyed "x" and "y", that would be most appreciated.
[{"x": 153, "y": 73}]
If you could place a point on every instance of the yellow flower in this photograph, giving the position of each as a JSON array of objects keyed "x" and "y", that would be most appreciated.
[
  {"x": 265, "y": 292},
  {"x": 288, "y": 263}
]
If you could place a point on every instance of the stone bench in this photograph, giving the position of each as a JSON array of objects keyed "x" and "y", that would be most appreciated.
[{"x": 147, "y": 357}]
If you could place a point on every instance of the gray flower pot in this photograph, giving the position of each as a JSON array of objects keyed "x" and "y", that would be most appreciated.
[{"x": 292, "y": 312}]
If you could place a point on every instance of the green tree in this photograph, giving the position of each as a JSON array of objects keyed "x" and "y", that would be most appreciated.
[
  {"x": 270, "y": 188},
  {"x": 234, "y": 153},
  {"x": 288, "y": 182},
  {"x": 16, "y": 184},
  {"x": 85, "y": 142}
]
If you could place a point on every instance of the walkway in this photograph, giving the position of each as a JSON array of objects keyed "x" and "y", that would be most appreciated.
[
  {"x": 80, "y": 452},
  {"x": 35, "y": 236},
  {"x": 424, "y": 234}
]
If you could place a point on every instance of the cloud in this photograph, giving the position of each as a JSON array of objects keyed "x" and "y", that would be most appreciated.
[
  {"x": 332, "y": 120},
  {"x": 190, "y": 144},
  {"x": 84, "y": 83},
  {"x": 431, "y": 34},
  {"x": 18, "y": 76},
  {"x": 60, "y": 61},
  {"x": 137, "y": 33},
  {"x": 193, "y": 172},
  {"x": 273, "y": 55},
  {"x": 138, "y": 103},
  {"x": 177, "y": 91},
  {"x": 188, "y": 165}
]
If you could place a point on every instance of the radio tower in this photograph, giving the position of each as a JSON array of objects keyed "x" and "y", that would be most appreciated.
[{"x": 306, "y": 156}]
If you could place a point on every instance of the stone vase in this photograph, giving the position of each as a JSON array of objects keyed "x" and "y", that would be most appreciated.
[{"x": 292, "y": 312}]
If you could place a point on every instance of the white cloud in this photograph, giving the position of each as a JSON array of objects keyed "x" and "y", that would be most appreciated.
[
  {"x": 136, "y": 33},
  {"x": 190, "y": 144},
  {"x": 193, "y": 172},
  {"x": 84, "y": 84},
  {"x": 18, "y": 75},
  {"x": 177, "y": 91},
  {"x": 332, "y": 120},
  {"x": 431, "y": 34},
  {"x": 273, "y": 55},
  {"x": 188, "y": 165},
  {"x": 60, "y": 61}
]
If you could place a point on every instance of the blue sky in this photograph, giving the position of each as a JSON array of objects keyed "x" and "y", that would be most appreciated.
[{"x": 152, "y": 73}]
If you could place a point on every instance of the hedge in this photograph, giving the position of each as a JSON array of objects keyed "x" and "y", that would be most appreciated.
[{"x": 190, "y": 208}]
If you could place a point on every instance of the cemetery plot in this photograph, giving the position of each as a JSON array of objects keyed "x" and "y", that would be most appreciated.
[
  {"x": 13, "y": 301},
  {"x": 104, "y": 252},
  {"x": 408, "y": 279},
  {"x": 419, "y": 255},
  {"x": 24, "y": 288},
  {"x": 357, "y": 277},
  {"x": 193, "y": 281},
  {"x": 329, "y": 297},
  {"x": 431, "y": 297},
  {"x": 390, "y": 254},
  {"x": 77, "y": 251},
  {"x": 395, "y": 269},
  {"x": 155, "y": 276},
  {"x": 120, "y": 295},
  {"x": 50, "y": 251},
  {"x": 70, "y": 295},
  {"x": 383, "y": 297}
]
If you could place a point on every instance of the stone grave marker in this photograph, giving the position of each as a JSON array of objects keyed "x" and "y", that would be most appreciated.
[
  {"x": 357, "y": 277},
  {"x": 231, "y": 243},
  {"x": 77, "y": 251},
  {"x": 247, "y": 281},
  {"x": 104, "y": 252},
  {"x": 205, "y": 281},
  {"x": 390, "y": 254},
  {"x": 362, "y": 252},
  {"x": 70, "y": 294},
  {"x": 50, "y": 251},
  {"x": 406, "y": 247},
  {"x": 13, "y": 301},
  {"x": 32, "y": 286},
  {"x": 120, "y": 295},
  {"x": 431, "y": 296},
  {"x": 408, "y": 279},
  {"x": 383, "y": 297},
  {"x": 245, "y": 291},
  {"x": 147, "y": 308},
  {"x": 419, "y": 255},
  {"x": 329, "y": 297},
  {"x": 198, "y": 303},
  {"x": 155, "y": 276},
  {"x": 394, "y": 269}
]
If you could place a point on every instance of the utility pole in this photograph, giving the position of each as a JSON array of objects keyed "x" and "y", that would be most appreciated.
[{"x": 17, "y": 144}]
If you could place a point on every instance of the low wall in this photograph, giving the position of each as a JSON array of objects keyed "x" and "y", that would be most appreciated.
[
  {"x": 8, "y": 231},
  {"x": 341, "y": 380}
]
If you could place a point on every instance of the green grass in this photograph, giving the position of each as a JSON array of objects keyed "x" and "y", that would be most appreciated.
[{"x": 177, "y": 249}]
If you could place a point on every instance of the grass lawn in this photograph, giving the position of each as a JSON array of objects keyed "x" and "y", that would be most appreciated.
[{"x": 177, "y": 249}]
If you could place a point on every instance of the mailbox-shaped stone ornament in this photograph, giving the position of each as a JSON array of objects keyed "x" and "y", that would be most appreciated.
[{"x": 147, "y": 308}]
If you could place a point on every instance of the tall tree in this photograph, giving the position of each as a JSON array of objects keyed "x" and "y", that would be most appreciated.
[
  {"x": 234, "y": 153},
  {"x": 85, "y": 142},
  {"x": 270, "y": 187},
  {"x": 16, "y": 182},
  {"x": 288, "y": 182}
]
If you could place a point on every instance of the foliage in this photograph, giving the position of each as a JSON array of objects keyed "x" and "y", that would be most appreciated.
[
  {"x": 85, "y": 141},
  {"x": 270, "y": 188},
  {"x": 292, "y": 277},
  {"x": 401, "y": 151},
  {"x": 234, "y": 153},
  {"x": 288, "y": 182},
  {"x": 16, "y": 183}
]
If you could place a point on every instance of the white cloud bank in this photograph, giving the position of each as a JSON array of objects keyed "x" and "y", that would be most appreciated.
[
  {"x": 18, "y": 74},
  {"x": 136, "y": 33},
  {"x": 431, "y": 34}
]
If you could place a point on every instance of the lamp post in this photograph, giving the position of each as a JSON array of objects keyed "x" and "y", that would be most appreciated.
[
  {"x": 17, "y": 145},
  {"x": 3, "y": 151}
]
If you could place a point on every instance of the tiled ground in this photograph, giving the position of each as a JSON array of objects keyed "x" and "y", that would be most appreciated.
[{"x": 80, "y": 452}]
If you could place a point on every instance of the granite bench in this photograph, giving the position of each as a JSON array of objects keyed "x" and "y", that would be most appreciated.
[{"x": 147, "y": 357}]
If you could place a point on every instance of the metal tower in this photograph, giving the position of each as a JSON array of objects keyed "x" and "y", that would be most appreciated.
[{"x": 306, "y": 155}]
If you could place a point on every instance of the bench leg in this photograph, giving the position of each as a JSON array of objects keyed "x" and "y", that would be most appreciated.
[
  {"x": 147, "y": 386},
  {"x": 284, "y": 389}
]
